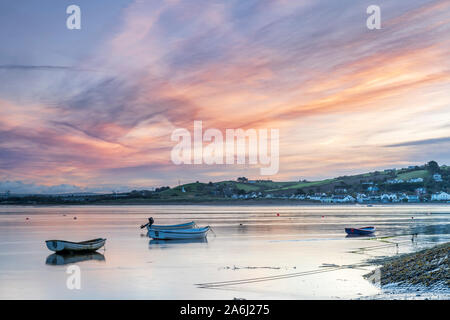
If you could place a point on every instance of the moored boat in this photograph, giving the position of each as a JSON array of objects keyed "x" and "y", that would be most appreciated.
[
  {"x": 360, "y": 231},
  {"x": 69, "y": 246},
  {"x": 196, "y": 233}
]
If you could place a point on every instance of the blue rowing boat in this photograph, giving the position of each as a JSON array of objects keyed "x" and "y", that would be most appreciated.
[{"x": 360, "y": 231}]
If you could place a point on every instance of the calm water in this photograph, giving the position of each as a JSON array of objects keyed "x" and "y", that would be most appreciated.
[{"x": 248, "y": 242}]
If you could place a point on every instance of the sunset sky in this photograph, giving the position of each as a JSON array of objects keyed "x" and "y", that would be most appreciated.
[{"x": 93, "y": 109}]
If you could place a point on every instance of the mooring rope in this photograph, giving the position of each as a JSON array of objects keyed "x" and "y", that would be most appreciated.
[
  {"x": 210, "y": 228},
  {"x": 296, "y": 274},
  {"x": 300, "y": 274},
  {"x": 269, "y": 278}
]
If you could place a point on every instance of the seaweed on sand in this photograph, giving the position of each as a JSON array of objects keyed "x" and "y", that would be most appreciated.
[{"x": 427, "y": 267}]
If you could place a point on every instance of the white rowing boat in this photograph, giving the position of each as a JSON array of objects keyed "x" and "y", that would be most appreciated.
[
  {"x": 62, "y": 245},
  {"x": 197, "y": 233}
]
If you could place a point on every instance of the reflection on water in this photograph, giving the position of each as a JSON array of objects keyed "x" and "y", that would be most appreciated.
[
  {"x": 177, "y": 241},
  {"x": 57, "y": 259},
  {"x": 368, "y": 236},
  {"x": 250, "y": 242}
]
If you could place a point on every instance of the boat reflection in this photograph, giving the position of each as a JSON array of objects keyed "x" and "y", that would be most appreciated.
[
  {"x": 360, "y": 236},
  {"x": 177, "y": 241},
  {"x": 57, "y": 259}
]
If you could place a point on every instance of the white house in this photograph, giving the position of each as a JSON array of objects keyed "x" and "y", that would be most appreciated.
[
  {"x": 388, "y": 197},
  {"x": 415, "y": 180},
  {"x": 421, "y": 190},
  {"x": 361, "y": 197},
  {"x": 394, "y": 181},
  {"x": 440, "y": 196},
  {"x": 326, "y": 199},
  {"x": 337, "y": 199},
  {"x": 437, "y": 177},
  {"x": 349, "y": 198},
  {"x": 413, "y": 198}
]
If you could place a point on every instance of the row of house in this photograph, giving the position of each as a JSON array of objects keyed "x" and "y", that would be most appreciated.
[
  {"x": 387, "y": 197},
  {"x": 360, "y": 197},
  {"x": 414, "y": 180},
  {"x": 436, "y": 177}
]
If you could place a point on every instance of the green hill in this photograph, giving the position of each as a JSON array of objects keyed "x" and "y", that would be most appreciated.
[
  {"x": 377, "y": 181},
  {"x": 373, "y": 183}
]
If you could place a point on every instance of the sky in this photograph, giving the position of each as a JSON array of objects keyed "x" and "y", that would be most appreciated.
[{"x": 94, "y": 109}]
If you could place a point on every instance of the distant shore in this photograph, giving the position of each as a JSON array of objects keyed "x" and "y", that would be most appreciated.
[{"x": 225, "y": 202}]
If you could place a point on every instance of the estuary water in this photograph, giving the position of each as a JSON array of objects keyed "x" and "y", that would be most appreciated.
[{"x": 272, "y": 252}]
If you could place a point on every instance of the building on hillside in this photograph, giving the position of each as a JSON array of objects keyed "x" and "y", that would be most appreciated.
[
  {"x": 440, "y": 196},
  {"x": 413, "y": 198},
  {"x": 340, "y": 190},
  {"x": 394, "y": 181},
  {"x": 343, "y": 199},
  {"x": 420, "y": 191},
  {"x": 361, "y": 198},
  {"x": 389, "y": 197},
  {"x": 415, "y": 180},
  {"x": 437, "y": 177},
  {"x": 326, "y": 199}
]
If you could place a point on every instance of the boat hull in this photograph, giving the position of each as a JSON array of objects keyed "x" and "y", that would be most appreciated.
[
  {"x": 199, "y": 233},
  {"x": 360, "y": 231},
  {"x": 188, "y": 225},
  {"x": 68, "y": 246}
]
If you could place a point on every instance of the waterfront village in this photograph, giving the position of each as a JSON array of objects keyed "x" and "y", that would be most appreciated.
[
  {"x": 414, "y": 184},
  {"x": 372, "y": 192}
]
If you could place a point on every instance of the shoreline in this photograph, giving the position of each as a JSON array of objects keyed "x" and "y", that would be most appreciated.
[
  {"x": 273, "y": 202},
  {"x": 423, "y": 275}
]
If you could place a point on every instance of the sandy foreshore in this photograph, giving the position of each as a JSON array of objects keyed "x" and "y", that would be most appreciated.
[{"x": 421, "y": 275}]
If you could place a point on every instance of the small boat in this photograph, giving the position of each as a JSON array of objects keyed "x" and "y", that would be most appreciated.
[
  {"x": 150, "y": 225},
  {"x": 63, "y": 246},
  {"x": 197, "y": 233},
  {"x": 360, "y": 231}
]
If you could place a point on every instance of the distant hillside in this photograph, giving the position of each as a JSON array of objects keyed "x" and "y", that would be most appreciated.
[
  {"x": 409, "y": 181},
  {"x": 344, "y": 184}
]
